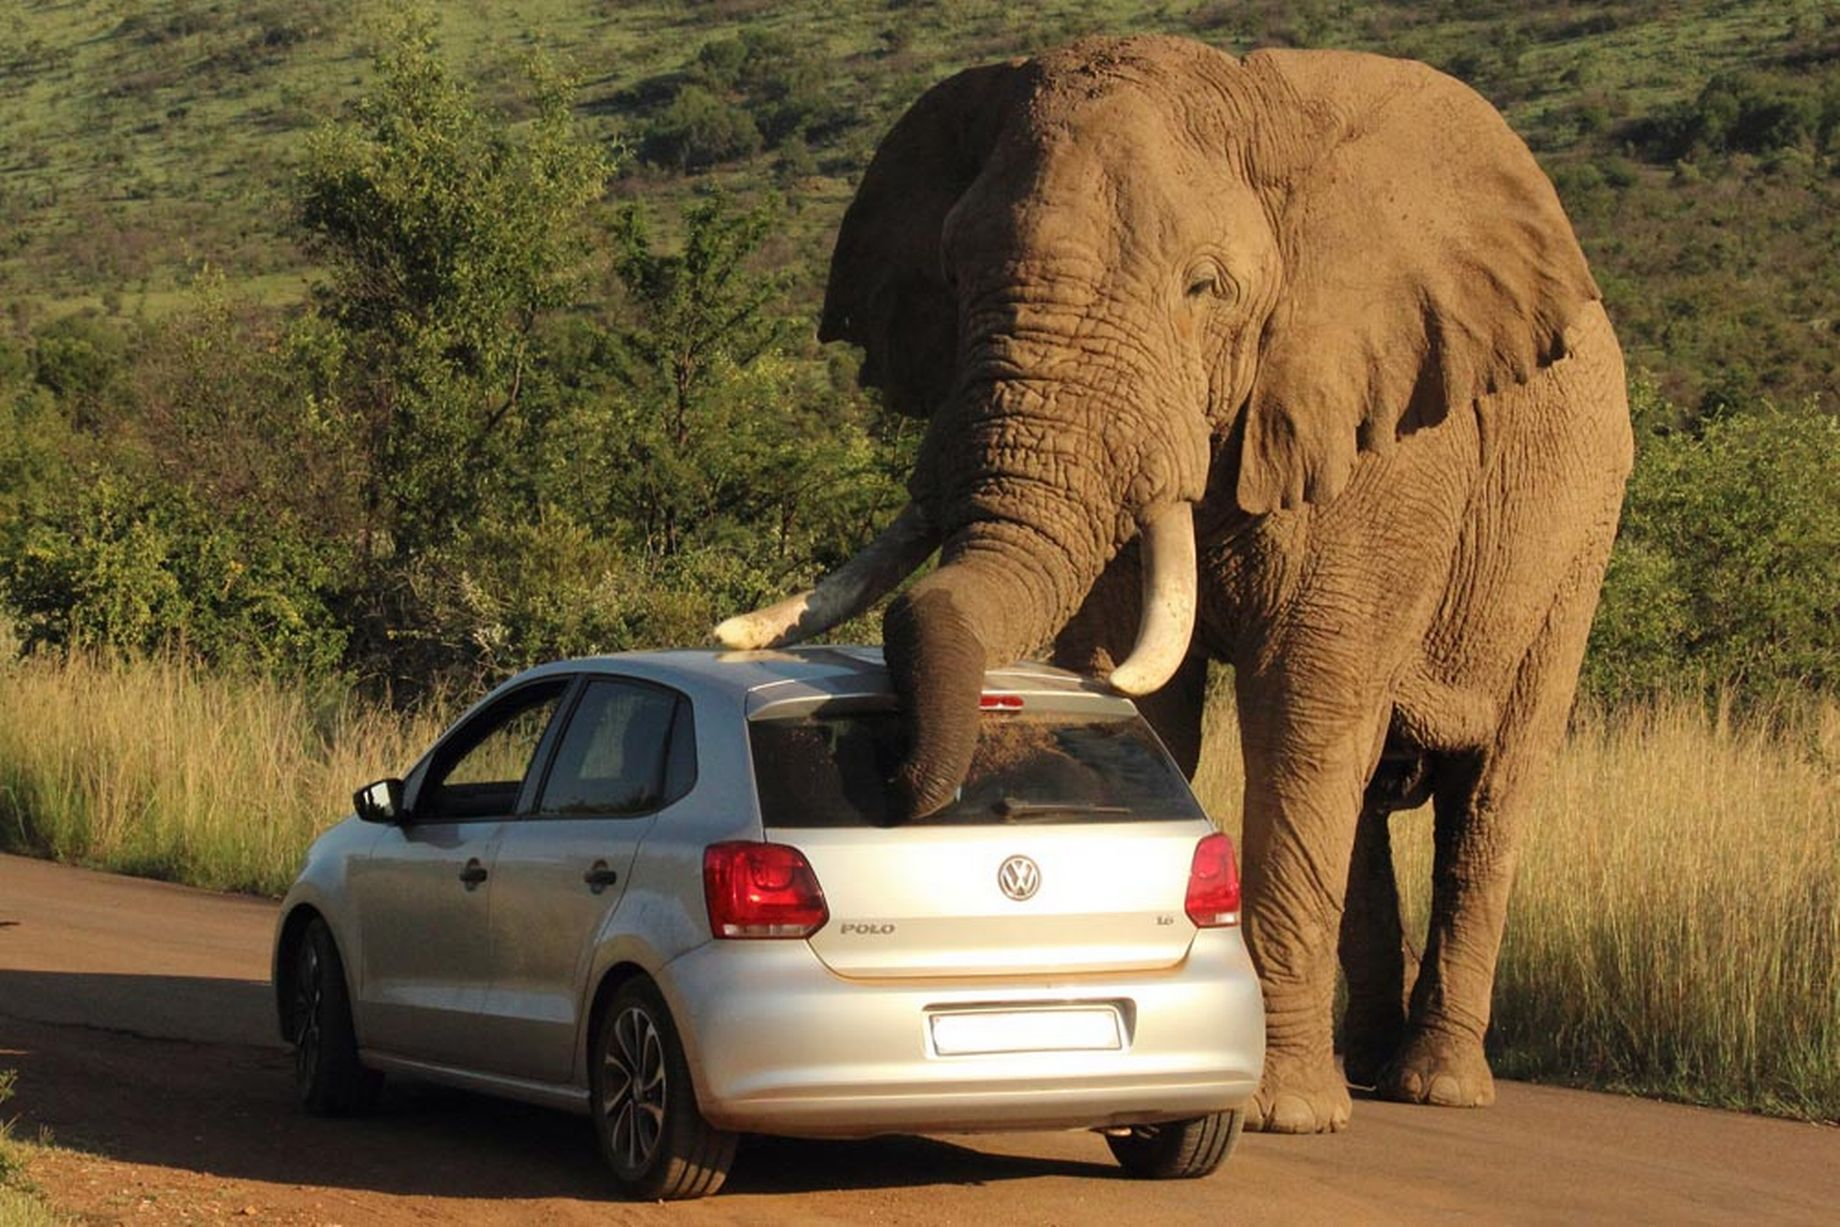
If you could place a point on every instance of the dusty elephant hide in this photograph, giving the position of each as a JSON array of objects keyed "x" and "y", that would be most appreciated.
[{"x": 1291, "y": 362}]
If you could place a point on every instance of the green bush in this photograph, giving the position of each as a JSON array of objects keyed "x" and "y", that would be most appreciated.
[
  {"x": 124, "y": 563},
  {"x": 758, "y": 89},
  {"x": 1746, "y": 112},
  {"x": 78, "y": 358},
  {"x": 1724, "y": 572},
  {"x": 699, "y": 130}
]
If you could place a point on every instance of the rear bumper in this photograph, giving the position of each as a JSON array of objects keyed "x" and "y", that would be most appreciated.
[{"x": 780, "y": 1044}]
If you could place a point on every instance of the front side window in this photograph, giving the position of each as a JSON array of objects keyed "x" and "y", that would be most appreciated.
[
  {"x": 616, "y": 757},
  {"x": 480, "y": 771}
]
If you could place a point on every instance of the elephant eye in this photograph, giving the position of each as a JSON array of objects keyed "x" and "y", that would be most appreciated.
[{"x": 1208, "y": 278}]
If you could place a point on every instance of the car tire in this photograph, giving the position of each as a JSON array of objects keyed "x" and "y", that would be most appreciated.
[
  {"x": 327, "y": 1073},
  {"x": 1177, "y": 1150},
  {"x": 652, "y": 1134}
]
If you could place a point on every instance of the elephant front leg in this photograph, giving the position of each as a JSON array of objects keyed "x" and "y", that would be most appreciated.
[{"x": 1305, "y": 772}]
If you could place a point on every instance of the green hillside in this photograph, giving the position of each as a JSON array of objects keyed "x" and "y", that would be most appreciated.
[{"x": 1694, "y": 142}]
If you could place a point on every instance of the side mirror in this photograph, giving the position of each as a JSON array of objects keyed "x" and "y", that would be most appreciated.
[{"x": 380, "y": 802}]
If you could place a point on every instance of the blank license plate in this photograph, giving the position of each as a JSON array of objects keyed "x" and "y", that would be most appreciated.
[{"x": 982, "y": 1031}]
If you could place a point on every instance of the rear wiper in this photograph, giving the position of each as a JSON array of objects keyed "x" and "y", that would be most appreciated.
[{"x": 1017, "y": 810}]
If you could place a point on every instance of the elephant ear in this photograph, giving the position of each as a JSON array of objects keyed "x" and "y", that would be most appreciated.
[
  {"x": 1428, "y": 263},
  {"x": 887, "y": 292}
]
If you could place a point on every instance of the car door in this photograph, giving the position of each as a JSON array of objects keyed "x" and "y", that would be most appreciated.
[
  {"x": 627, "y": 753},
  {"x": 423, "y": 895}
]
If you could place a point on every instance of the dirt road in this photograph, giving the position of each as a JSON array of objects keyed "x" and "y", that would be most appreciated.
[{"x": 138, "y": 1018}]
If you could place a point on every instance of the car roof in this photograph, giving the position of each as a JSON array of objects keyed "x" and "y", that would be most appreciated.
[{"x": 757, "y": 679}]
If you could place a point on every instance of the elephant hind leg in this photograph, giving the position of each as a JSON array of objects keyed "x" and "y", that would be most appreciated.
[
  {"x": 1372, "y": 954},
  {"x": 1481, "y": 798},
  {"x": 1375, "y": 954}
]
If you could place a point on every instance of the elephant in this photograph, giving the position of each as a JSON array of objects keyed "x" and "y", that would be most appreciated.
[{"x": 1289, "y": 361}]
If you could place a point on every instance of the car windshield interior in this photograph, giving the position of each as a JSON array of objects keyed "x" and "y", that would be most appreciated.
[{"x": 825, "y": 770}]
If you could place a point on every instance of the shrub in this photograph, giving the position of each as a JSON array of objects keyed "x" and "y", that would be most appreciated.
[
  {"x": 78, "y": 357},
  {"x": 699, "y": 130},
  {"x": 755, "y": 90},
  {"x": 1751, "y": 112},
  {"x": 1724, "y": 570},
  {"x": 127, "y": 564}
]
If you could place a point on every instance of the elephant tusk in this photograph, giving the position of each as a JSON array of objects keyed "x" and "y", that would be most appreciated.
[
  {"x": 844, "y": 593},
  {"x": 1167, "y": 620}
]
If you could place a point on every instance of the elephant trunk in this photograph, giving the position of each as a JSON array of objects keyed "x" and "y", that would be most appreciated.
[{"x": 1002, "y": 592}]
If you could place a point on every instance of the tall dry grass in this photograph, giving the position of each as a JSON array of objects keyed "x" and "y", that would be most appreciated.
[
  {"x": 156, "y": 768},
  {"x": 1675, "y": 926}
]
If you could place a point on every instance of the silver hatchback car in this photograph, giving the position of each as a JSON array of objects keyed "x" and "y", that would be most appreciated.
[{"x": 661, "y": 889}]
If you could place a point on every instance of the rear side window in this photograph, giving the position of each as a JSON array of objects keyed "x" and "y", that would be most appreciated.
[
  {"x": 833, "y": 771},
  {"x": 619, "y": 753}
]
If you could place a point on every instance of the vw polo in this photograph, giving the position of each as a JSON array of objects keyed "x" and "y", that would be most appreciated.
[{"x": 664, "y": 890}]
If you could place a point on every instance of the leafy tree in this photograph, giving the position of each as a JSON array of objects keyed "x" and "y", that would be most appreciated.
[
  {"x": 753, "y": 90},
  {"x": 716, "y": 433},
  {"x": 1743, "y": 112},
  {"x": 80, "y": 359},
  {"x": 115, "y": 563},
  {"x": 447, "y": 233}
]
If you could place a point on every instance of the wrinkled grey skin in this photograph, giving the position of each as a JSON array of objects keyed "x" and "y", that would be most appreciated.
[{"x": 1330, "y": 301}]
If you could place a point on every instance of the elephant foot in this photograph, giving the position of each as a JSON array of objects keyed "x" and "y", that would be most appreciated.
[
  {"x": 1370, "y": 1041},
  {"x": 1299, "y": 1097},
  {"x": 1439, "y": 1069}
]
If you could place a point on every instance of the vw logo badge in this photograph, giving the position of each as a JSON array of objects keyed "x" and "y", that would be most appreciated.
[{"x": 1019, "y": 878}]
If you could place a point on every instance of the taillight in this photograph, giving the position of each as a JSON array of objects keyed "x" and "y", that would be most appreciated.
[
  {"x": 1213, "y": 883},
  {"x": 761, "y": 890}
]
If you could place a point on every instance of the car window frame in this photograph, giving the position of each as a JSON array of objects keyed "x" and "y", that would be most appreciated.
[
  {"x": 529, "y": 811},
  {"x": 540, "y": 756}
]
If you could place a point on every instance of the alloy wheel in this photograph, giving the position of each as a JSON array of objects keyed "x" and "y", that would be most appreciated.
[
  {"x": 633, "y": 1089},
  {"x": 309, "y": 989}
]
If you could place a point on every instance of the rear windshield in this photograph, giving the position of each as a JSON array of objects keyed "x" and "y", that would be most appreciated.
[{"x": 833, "y": 771}]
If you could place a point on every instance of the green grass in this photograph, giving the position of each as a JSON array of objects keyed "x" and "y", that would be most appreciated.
[
  {"x": 140, "y": 140},
  {"x": 20, "y": 1204}
]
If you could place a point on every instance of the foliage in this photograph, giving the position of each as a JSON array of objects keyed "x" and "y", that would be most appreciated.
[
  {"x": 725, "y": 439},
  {"x": 699, "y": 130},
  {"x": 755, "y": 89},
  {"x": 447, "y": 235},
  {"x": 1747, "y": 112},
  {"x": 1724, "y": 570},
  {"x": 77, "y": 359},
  {"x": 147, "y": 567}
]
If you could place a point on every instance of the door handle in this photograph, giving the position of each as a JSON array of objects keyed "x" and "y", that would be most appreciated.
[
  {"x": 599, "y": 877},
  {"x": 473, "y": 874}
]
